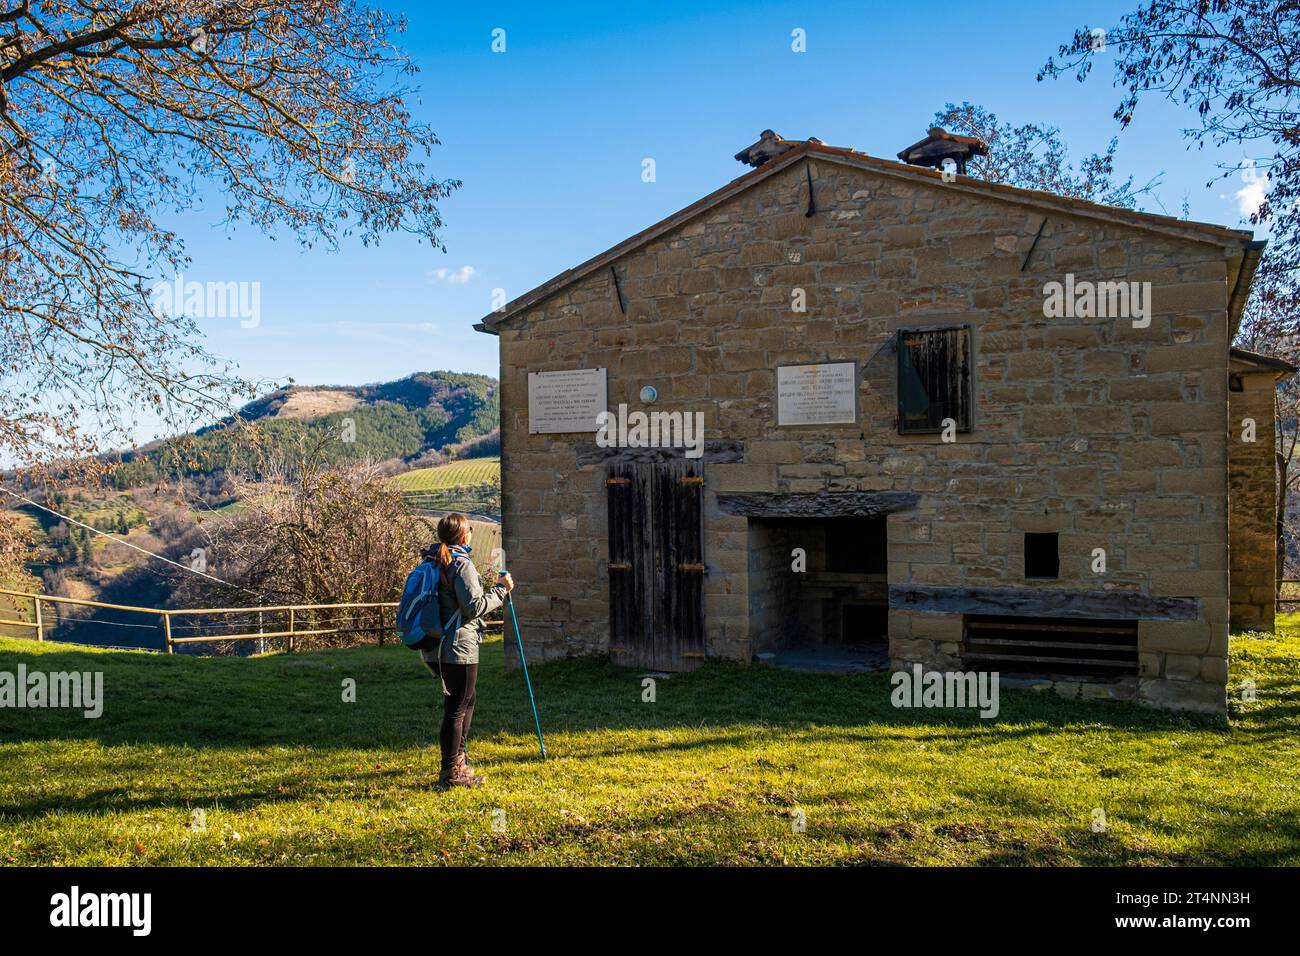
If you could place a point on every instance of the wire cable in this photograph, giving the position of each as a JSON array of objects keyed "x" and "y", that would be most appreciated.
[
  {"x": 102, "y": 534},
  {"x": 73, "y": 621}
]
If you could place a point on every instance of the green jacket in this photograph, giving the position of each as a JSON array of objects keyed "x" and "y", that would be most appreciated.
[{"x": 474, "y": 604}]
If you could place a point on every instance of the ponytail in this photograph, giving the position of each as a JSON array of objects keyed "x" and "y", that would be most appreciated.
[
  {"x": 440, "y": 555},
  {"x": 453, "y": 529}
]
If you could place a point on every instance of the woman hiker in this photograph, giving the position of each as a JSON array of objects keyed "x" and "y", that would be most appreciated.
[{"x": 460, "y": 590}]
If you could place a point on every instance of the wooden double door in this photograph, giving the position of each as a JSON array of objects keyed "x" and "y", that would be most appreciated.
[{"x": 656, "y": 563}]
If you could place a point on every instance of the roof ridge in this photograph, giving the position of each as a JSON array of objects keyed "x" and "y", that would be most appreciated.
[{"x": 1180, "y": 228}]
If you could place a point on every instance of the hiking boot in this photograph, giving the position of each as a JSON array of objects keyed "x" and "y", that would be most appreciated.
[
  {"x": 460, "y": 774},
  {"x": 468, "y": 771},
  {"x": 464, "y": 758}
]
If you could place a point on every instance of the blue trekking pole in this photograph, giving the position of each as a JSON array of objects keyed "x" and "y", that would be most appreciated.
[{"x": 519, "y": 643}]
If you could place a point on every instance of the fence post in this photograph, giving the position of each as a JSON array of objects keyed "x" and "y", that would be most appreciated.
[
  {"x": 40, "y": 629},
  {"x": 167, "y": 630},
  {"x": 291, "y": 620}
]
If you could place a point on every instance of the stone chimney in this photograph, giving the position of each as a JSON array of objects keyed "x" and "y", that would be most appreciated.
[
  {"x": 768, "y": 147},
  {"x": 940, "y": 145}
]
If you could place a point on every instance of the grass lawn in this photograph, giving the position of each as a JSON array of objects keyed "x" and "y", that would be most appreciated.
[
  {"x": 717, "y": 770},
  {"x": 470, "y": 472}
]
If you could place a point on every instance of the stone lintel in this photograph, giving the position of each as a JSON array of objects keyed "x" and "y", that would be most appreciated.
[
  {"x": 817, "y": 504},
  {"x": 1047, "y": 602},
  {"x": 716, "y": 451}
]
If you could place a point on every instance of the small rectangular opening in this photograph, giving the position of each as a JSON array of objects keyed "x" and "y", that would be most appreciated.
[{"x": 1042, "y": 555}]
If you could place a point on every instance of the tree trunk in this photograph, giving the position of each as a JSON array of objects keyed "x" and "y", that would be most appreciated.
[{"x": 1281, "y": 521}]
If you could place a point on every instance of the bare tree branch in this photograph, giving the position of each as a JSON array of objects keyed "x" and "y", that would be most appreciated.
[{"x": 113, "y": 113}]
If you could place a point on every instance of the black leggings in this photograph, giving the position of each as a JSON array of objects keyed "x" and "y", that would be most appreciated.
[{"x": 457, "y": 709}]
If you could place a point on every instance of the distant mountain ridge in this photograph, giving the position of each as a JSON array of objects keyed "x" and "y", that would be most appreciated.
[
  {"x": 420, "y": 390},
  {"x": 404, "y": 419}
]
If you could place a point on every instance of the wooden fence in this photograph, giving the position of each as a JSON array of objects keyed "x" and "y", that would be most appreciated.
[
  {"x": 286, "y": 622},
  {"x": 480, "y": 501}
]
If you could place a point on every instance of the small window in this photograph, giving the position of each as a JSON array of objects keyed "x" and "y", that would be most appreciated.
[
  {"x": 1042, "y": 555},
  {"x": 933, "y": 379}
]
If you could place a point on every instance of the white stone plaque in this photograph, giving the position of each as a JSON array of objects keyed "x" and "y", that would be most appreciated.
[
  {"x": 825, "y": 394},
  {"x": 567, "y": 401}
]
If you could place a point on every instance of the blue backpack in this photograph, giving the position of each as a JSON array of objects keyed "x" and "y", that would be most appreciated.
[{"x": 419, "y": 622}]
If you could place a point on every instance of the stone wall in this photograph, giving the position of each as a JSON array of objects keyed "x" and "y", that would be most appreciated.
[
  {"x": 1252, "y": 504},
  {"x": 773, "y": 589},
  {"x": 1111, "y": 435}
]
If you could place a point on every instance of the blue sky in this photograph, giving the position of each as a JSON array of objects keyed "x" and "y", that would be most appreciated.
[{"x": 549, "y": 139}]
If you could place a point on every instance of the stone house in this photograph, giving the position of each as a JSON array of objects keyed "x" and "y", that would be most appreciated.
[
  {"x": 972, "y": 426},
  {"x": 1253, "y": 489}
]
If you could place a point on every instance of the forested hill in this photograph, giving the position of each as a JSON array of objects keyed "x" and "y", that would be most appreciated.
[{"x": 427, "y": 411}]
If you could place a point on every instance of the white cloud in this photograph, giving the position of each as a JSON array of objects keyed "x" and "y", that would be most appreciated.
[
  {"x": 1251, "y": 195},
  {"x": 455, "y": 277}
]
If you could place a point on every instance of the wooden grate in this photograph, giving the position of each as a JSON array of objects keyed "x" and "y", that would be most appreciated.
[{"x": 1051, "y": 646}]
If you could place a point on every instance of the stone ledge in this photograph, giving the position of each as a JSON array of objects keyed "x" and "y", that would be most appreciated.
[{"x": 1123, "y": 605}]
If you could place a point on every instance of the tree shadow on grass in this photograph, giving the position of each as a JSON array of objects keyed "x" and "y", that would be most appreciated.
[
  {"x": 225, "y": 703},
  {"x": 1003, "y": 836},
  {"x": 109, "y": 781},
  {"x": 1221, "y": 843},
  {"x": 278, "y": 719}
]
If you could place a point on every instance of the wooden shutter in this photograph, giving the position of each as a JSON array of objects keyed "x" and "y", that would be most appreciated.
[{"x": 933, "y": 379}]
